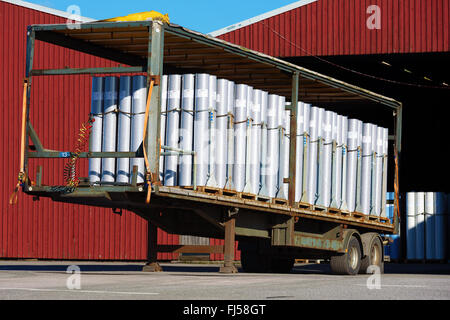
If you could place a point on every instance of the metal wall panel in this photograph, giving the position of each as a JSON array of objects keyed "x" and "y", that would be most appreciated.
[
  {"x": 220, "y": 256},
  {"x": 45, "y": 229},
  {"x": 339, "y": 27}
]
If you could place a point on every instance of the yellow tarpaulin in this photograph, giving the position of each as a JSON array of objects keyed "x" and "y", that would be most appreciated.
[{"x": 142, "y": 16}]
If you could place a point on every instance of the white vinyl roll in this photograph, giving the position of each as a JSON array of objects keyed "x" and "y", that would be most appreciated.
[
  {"x": 359, "y": 167},
  {"x": 284, "y": 165},
  {"x": 271, "y": 171},
  {"x": 187, "y": 129},
  {"x": 240, "y": 133},
  {"x": 325, "y": 160},
  {"x": 344, "y": 135},
  {"x": 336, "y": 163},
  {"x": 124, "y": 129},
  {"x": 373, "y": 135},
  {"x": 139, "y": 99},
  {"x": 164, "y": 83},
  {"x": 263, "y": 167},
  {"x": 211, "y": 182},
  {"x": 230, "y": 136},
  {"x": 221, "y": 133},
  {"x": 255, "y": 146},
  {"x": 420, "y": 225},
  {"x": 95, "y": 144},
  {"x": 281, "y": 194},
  {"x": 352, "y": 162},
  {"x": 377, "y": 197},
  {"x": 312, "y": 156},
  {"x": 250, "y": 141},
  {"x": 173, "y": 128},
  {"x": 201, "y": 127},
  {"x": 302, "y": 151},
  {"x": 411, "y": 225},
  {"x": 366, "y": 168},
  {"x": 110, "y": 128}
]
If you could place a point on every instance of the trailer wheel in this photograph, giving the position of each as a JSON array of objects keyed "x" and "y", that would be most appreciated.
[
  {"x": 373, "y": 253},
  {"x": 348, "y": 263}
]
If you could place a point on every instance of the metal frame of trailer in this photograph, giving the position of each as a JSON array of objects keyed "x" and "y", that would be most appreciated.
[{"x": 280, "y": 226}]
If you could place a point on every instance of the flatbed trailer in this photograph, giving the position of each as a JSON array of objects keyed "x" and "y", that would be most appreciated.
[{"x": 272, "y": 232}]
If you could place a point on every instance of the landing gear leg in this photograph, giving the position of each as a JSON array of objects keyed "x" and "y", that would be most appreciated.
[
  {"x": 230, "y": 228},
  {"x": 152, "y": 250}
]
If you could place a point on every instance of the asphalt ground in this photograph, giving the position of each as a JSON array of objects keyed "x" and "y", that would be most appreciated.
[{"x": 37, "y": 280}]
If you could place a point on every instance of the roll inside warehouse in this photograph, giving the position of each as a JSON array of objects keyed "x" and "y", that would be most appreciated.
[{"x": 237, "y": 137}]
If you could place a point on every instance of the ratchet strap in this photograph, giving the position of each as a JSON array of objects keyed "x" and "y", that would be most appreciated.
[
  {"x": 148, "y": 174},
  {"x": 22, "y": 178}
]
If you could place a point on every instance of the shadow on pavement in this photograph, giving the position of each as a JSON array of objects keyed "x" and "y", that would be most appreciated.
[
  {"x": 390, "y": 268},
  {"x": 107, "y": 267},
  {"x": 63, "y": 268}
]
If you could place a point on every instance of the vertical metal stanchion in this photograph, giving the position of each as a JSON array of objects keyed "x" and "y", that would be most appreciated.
[
  {"x": 229, "y": 243},
  {"x": 154, "y": 72},
  {"x": 152, "y": 264}
]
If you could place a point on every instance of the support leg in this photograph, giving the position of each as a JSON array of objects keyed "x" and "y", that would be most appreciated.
[
  {"x": 152, "y": 252},
  {"x": 228, "y": 266}
]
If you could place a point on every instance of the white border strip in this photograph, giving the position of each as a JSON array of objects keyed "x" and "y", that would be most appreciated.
[
  {"x": 263, "y": 16},
  {"x": 48, "y": 10}
]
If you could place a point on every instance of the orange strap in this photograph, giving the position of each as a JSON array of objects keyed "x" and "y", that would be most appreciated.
[
  {"x": 148, "y": 175},
  {"x": 13, "y": 197},
  {"x": 22, "y": 175}
]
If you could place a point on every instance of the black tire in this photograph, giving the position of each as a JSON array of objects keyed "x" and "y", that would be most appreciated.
[
  {"x": 348, "y": 263},
  {"x": 373, "y": 256}
]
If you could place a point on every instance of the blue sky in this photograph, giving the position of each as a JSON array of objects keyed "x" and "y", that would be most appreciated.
[{"x": 200, "y": 15}]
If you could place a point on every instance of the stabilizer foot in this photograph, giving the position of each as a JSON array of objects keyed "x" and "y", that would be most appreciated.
[
  {"x": 152, "y": 267},
  {"x": 228, "y": 269}
]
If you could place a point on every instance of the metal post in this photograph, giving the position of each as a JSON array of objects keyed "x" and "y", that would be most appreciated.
[
  {"x": 152, "y": 249},
  {"x": 397, "y": 151},
  {"x": 293, "y": 140},
  {"x": 230, "y": 234},
  {"x": 155, "y": 68}
]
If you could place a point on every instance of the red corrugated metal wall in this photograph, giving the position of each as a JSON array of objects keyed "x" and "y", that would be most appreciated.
[
  {"x": 45, "y": 229},
  {"x": 219, "y": 256},
  {"x": 339, "y": 27}
]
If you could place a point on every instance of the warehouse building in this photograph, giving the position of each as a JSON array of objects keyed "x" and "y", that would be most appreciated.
[{"x": 396, "y": 48}]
